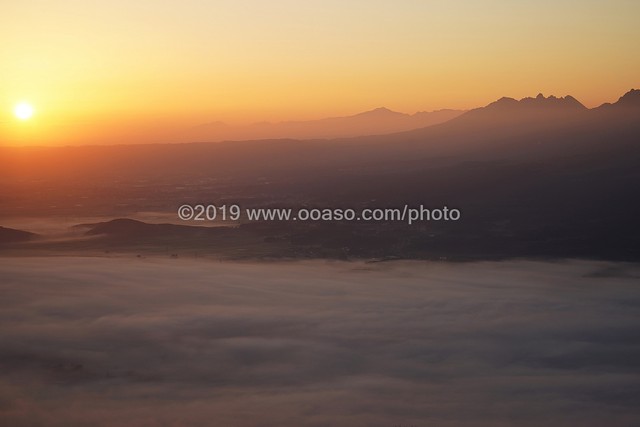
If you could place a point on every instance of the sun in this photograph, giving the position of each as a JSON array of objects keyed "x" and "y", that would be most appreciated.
[{"x": 23, "y": 111}]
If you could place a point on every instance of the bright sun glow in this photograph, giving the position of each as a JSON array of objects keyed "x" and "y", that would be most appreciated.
[{"x": 23, "y": 111}]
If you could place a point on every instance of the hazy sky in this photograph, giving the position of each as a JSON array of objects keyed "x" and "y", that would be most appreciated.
[{"x": 96, "y": 70}]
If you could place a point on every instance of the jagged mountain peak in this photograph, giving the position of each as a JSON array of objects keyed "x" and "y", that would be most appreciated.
[{"x": 630, "y": 99}]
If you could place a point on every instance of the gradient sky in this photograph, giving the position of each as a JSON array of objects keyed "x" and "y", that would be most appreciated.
[{"x": 138, "y": 71}]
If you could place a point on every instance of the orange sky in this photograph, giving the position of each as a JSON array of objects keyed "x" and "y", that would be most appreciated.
[{"x": 141, "y": 71}]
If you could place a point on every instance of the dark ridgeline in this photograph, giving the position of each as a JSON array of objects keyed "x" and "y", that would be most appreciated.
[
  {"x": 541, "y": 176},
  {"x": 10, "y": 235},
  {"x": 374, "y": 122}
]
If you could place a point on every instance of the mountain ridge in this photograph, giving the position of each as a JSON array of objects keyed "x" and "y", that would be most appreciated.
[
  {"x": 381, "y": 120},
  {"x": 11, "y": 235}
]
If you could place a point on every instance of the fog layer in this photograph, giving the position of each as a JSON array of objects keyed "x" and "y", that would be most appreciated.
[{"x": 144, "y": 342}]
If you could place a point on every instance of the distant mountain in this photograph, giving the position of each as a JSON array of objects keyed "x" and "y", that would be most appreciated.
[
  {"x": 10, "y": 235},
  {"x": 508, "y": 128},
  {"x": 539, "y": 102},
  {"x": 374, "y": 122},
  {"x": 533, "y": 126},
  {"x": 630, "y": 100},
  {"x": 133, "y": 229},
  {"x": 528, "y": 109},
  {"x": 541, "y": 176},
  {"x": 537, "y": 126}
]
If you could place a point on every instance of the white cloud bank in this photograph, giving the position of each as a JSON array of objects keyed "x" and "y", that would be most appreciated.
[{"x": 130, "y": 342}]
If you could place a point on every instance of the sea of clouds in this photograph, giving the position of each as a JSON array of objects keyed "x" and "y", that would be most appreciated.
[{"x": 159, "y": 342}]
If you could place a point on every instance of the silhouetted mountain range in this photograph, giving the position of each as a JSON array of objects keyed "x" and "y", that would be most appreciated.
[
  {"x": 541, "y": 176},
  {"x": 128, "y": 229},
  {"x": 374, "y": 122},
  {"x": 10, "y": 235},
  {"x": 630, "y": 99},
  {"x": 539, "y": 102}
]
